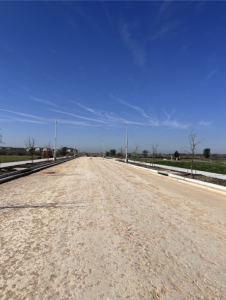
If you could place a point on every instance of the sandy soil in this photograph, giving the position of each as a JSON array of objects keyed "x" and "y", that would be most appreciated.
[{"x": 97, "y": 229}]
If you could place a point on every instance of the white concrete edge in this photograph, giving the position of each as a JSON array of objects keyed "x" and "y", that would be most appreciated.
[
  {"x": 211, "y": 185},
  {"x": 205, "y": 185}
]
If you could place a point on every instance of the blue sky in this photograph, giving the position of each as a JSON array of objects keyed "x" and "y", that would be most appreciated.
[{"x": 160, "y": 66}]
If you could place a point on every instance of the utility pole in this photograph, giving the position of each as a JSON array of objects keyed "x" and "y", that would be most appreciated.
[{"x": 75, "y": 145}]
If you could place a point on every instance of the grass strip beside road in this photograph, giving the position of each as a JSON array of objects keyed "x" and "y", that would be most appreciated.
[
  {"x": 200, "y": 166},
  {"x": 4, "y": 159}
]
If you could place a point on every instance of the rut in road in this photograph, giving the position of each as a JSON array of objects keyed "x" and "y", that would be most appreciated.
[{"x": 96, "y": 229}]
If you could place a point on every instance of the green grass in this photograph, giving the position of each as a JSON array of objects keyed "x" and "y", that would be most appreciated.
[
  {"x": 213, "y": 167},
  {"x": 4, "y": 159}
]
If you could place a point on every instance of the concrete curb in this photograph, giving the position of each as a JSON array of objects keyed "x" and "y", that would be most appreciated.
[
  {"x": 205, "y": 185},
  {"x": 178, "y": 169},
  {"x": 25, "y": 172}
]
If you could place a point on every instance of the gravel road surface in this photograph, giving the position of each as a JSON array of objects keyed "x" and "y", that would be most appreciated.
[{"x": 96, "y": 229}]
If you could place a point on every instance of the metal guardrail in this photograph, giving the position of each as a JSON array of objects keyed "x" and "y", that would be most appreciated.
[{"x": 17, "y": 174}]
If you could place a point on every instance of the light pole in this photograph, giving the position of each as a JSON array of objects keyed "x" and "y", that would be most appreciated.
[
  {"x": 103, "y": 147},
  {"x": 56, "y": 136},
  {"x": 75, "y": 144},
  {"x": 126, "y": 160}
]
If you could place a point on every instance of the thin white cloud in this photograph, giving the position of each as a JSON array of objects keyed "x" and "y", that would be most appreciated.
[
  {"x": 211, "y": 74},
  {"x": 77, "y": 116},
  {"x": 43, "y": 101},
  {"x": 166, "y": 28},
  {"x": 137, "y": 50},
  {"x": 151, "y": 120},
  {"x": 89, "y": 18},
  {"x": 5, "y": 120},
  {"x": 87, "y": 108},
  {"x": 203, "y": 123},
  {"x": 71, "y": 22},
  {"x": 24, "y": 87},
  {"x": 21, "y": 114},
  {"x": 78, "y": 123},
  {"x": 109, "y": 17},
  {"x": 16, "y": 119},
  {"x": 130, "y": 105},
  {"x": 175, "y": 124},
  {"x": 211, "y": 31},
  {"x": 28, "y": 121},
  {"x": 109, "y": 119},
  {"x": 164, "y": 7}
]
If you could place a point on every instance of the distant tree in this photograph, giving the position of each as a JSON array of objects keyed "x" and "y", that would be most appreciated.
[
  {"x": 121, "y": 151},
  {"x": 3, "y": 152},
  {"x": 107, "y": 153},
  {"x": 63, "y": 151},
  {"x": 192, "y": 136},
  {"x": 112, "y": 152},
  {"x": 30, "y": 144},
  {"x": 214, "y": 156},
  {"x": 136, "y": 148},
  {"x": 58, "y": 152},
  {"x": 206, "y": 152},
  {"x": 176, "y": 154},
  {"x": 154, "y": 151},
  {"x": 48, "y": 147},
  {"x": 145, "y": 153},
  {"x": 20, "y": 153}
]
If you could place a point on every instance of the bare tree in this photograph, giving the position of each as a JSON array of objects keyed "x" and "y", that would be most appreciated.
[
  {"x": 192, "y": 136},
  {"x": 136, "y": 148},
  {"x": 121, "y": 151},
  {"x": 154, "y": 151},
  {"x": 30, "y": 144}
]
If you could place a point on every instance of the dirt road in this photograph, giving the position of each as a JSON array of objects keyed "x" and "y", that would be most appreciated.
[{"x": 97, "y": 229}]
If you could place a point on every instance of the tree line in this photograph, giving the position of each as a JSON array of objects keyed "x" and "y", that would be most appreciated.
[
  {"x": 191, "y": 150},
  {"x": 30, "y": 143}
]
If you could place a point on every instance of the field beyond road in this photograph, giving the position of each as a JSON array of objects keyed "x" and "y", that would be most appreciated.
[
  {"x": 4, "y": 159},
  {"x": 218, "y": 167},
  {"x": 95, "y": 229}
]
